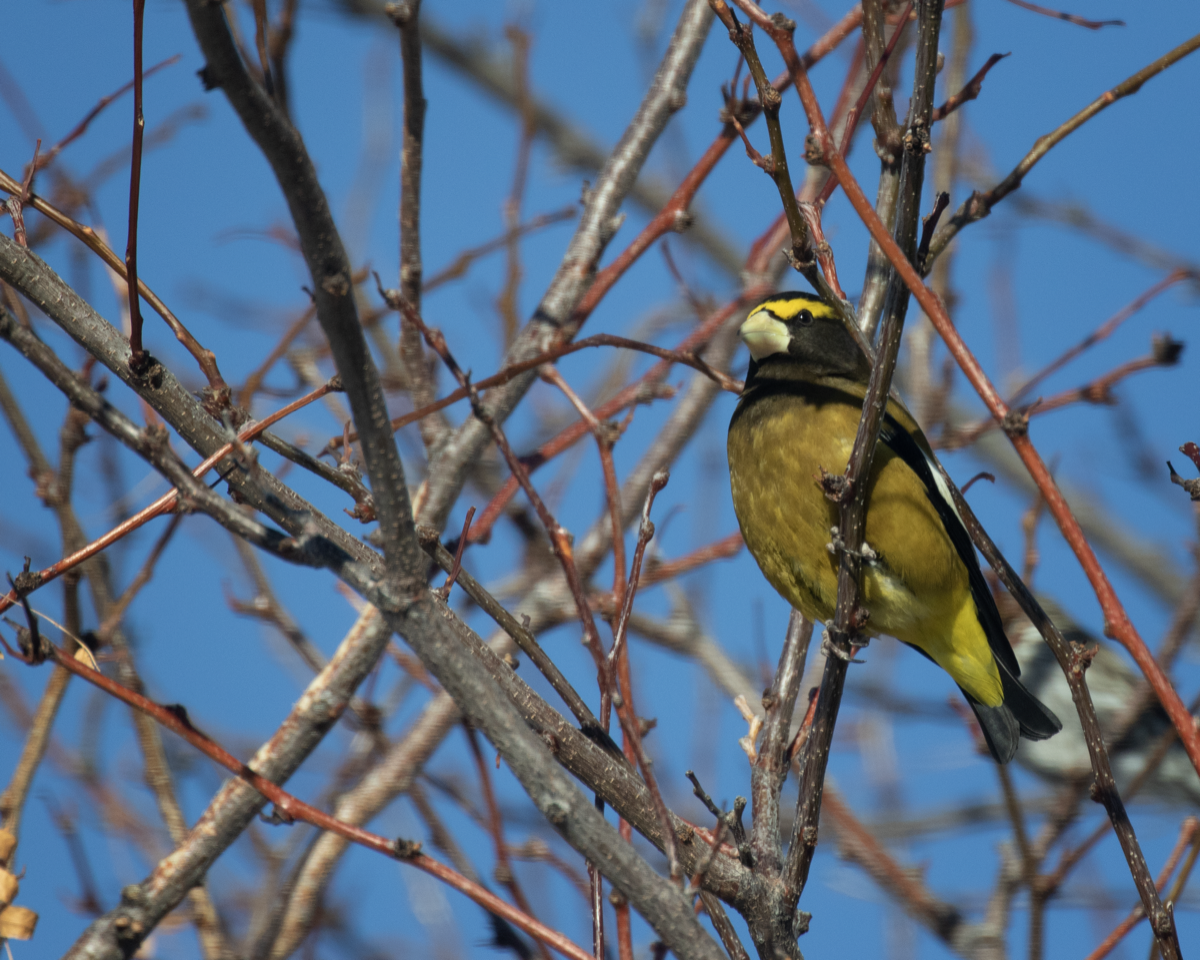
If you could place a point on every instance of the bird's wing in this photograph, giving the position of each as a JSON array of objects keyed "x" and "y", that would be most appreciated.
[{"x": 904, "y": 444}]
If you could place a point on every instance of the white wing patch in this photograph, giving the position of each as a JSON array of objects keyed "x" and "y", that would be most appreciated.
[{"x": 936, "y": 469}]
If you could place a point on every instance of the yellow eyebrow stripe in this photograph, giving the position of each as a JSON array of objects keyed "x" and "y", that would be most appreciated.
[{"x": 786, "y": 306}]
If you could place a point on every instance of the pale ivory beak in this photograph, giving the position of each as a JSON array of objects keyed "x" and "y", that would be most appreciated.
[{"x": 764, "y": 334}]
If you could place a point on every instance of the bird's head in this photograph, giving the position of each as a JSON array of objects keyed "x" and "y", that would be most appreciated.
[{"x": 800, "y": 330}]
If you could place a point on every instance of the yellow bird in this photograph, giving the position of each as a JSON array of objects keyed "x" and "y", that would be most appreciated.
[{"x": 797, "y": 416}]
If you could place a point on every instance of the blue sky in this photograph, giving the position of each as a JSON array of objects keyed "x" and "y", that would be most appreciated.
[{"x": 207, "y": 196}]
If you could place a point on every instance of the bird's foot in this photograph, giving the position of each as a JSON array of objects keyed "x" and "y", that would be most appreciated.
[
  {"x": 841, "y": 647},
  {"x": 837, "y": 545}
]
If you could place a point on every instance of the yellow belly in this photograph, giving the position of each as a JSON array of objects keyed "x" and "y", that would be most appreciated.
[{"x": 918, "y": 592}]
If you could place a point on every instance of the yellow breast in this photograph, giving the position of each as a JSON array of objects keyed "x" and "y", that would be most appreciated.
[{"x": 919, "y": 589}]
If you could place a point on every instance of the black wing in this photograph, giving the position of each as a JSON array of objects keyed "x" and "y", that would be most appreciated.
[{"x": 903, "y": 445}]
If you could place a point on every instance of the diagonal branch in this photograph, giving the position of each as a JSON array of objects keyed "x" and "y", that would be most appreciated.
[
  {"x": 979, "y": 205},
  {"x": 554, "y": 320}
]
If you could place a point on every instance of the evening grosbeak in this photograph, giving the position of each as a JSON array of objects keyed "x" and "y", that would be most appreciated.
[{"x": 921, "y": 583}]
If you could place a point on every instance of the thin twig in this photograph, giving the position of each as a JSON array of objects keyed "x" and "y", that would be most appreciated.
[
  {"x": 422, "y": 382},
  {"x": 515, "y": 370},
  {"x": 1187, "y": 835},
  {"x": 971, "y": 91},
  {"x": 292, "y": 808},
  {"x": 92, "y": 240},
  {"x": 979, "y": 205},
  {"x": 139, "y": 361},
  {"x": 81, "y": 128},
  {"x": 1069, "y": 17},
  {"x": 504, "y": 870},
  {"x": 168, "y": 500},
  {"x": 521, "y": 636},
  {"x": 1102, "y": 332}
]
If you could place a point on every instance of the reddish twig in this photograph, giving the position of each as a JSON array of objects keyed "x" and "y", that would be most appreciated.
[
  {"x": 642, "y": 391},
  {"x": 1187, "y": 836},
  {"x": 1165, "y": 354},
  {"x": 506, "y": 303},
  {"x": 856, "y": 111},
  {"x": 16, "y": 203},
  {"x": 504, "y": 871},
  {"x": 1069, "y": 17},
  {"x": 117, "y": 610},
  {"x": 444, "y": 590},
  {"x": 606, "y": 435},
  {"x": 645, "y": 534},
  {"x": 802, "y": 734},
  {"x": 1029, "y": 525},
  {"x": 723, "y": 549},
  {"x": 511, "y": 372},
  {"x": 279, "y": 41},
  {"x": 970, "y": 91},
  {"x": 1099, "y": 391},
  {"x": 81, "y": 128},
  {"x": 714, "y": 848},
  {"x": 811, "y": 212},
  {"x": 290, "y": 808},
  {"x": 463, "y": 261},
  {"x": 245, "y": 396},
  {"x": 93, "y": 241},
  {"x": 559, "y": 538},
  {"x": 164, "y": 503},
  {"x": 1102, "y": 332},
  {"x": 260, "y": 43},
  {"x": 982, "y": 475},
  {"x": 645, "y": 389}
]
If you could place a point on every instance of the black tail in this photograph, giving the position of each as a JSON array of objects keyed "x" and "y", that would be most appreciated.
[{"x": 1020, "y": 715}]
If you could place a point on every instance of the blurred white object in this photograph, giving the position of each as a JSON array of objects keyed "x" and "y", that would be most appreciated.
[{"x": 1114, "y": 686}]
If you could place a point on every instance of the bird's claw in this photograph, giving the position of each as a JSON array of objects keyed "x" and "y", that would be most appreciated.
[
  {"x": 841, "y": 647},
  {"x": 838, "y": 545}
]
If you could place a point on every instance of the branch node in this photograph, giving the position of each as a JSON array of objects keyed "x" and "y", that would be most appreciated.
[
  {"x": 1165, "y": 349},
  {"x": 400, "y": 12},
  {"x": 336, "y": 284},
  {"x": 916, "y": 139},
  {"x": 1016, "y": 422},
  {"x": 798, "y": 264},
  {"x": 1191, "y": 487},
  {"x": 814, "y": 151},
  {"x": 783, "y": 22},
  {"x": 141, "y": 365},
  {"x": 1082, "y": 657},
  {"x": 836, "y": 486},
  {"x": 405, "y": 849}
]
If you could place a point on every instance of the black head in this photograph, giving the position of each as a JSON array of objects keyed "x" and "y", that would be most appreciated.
[{"x": 798, "y": 329}]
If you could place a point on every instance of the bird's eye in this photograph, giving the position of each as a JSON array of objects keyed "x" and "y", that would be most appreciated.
[{"x": 804, "y": 318}]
